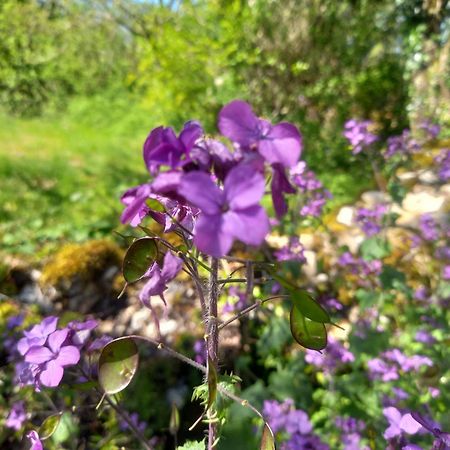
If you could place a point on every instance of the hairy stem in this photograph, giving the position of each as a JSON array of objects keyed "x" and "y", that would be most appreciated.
[{"x": 212, "y": 334}]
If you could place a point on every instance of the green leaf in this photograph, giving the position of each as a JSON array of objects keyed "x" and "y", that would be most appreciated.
[
  {"x": 306, "y": 332},
  {"x": 309, "y": 307},
  {"x": 391, "y": 278},
  {"x": 117, "y": 364},
  {"x": 140, "y": 256},
  {"x": 268, "y": 439},
  {"x": 49, "y": 426},
  {"x": 193, "y": 445},
  {"x": 375, "y": 248},
  {"x": 212, "y": 383}
]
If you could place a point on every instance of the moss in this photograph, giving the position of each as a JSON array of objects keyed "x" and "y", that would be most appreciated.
[{"x": 85, "y": 260}]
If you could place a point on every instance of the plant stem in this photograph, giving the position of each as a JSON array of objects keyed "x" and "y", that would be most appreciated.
[{"x": 212, "y": 334}]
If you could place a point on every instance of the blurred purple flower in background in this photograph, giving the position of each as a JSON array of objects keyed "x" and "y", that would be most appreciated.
[
  {"x": 333, "y": 356},
  {"x": 292, "y": 251},
  {"x": 399, "y": 423},
  {"x": 443, "y": 162},
  {"x": 200, "y": 351},
  {"x": 357, "y": 133},
  {"x": 35, "y": 441},
  {"x": 370, "y": 220},
  {"x": 17, "y": 416},
  {"x": 428, "y": 227}
]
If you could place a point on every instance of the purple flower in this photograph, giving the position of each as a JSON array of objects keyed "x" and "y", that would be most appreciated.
[
  {"x": 241, "y": 302},
  {"x": 443, "y": 162},
  {"x": 399, "y": 423},
  {"x": 36, "y": 443},
  {"x": 17, "y": 416},
  {"x": 442, "y": 439},
  {"x": 379, "y": 369},
  {"x": 158, "y": 278},
  {"x": 200, "y": 351},
  {"x": 134, "y": 199},
  {"x": 428, "y": 227},
  {"x": 15, "y": 321},
  {"x": 333, "y": 356},
  {"x": 421, "y": 293},
  {"x": 280, "y": 185},
  {"x": 424, "y": 337},
  {"x": 370, "y": 219},
  {"x": 163, "y": 148},
  {"x": 446, "y": 272},
  {"x": 358, "y": 135},
  {"x": 37, "y": 335},
  {"x": 401, "y": 145},
  {"x": 293, "y": 251},
  {"x": 134, "y": 419},
  {"x": 280, "y": 143},
  {"x": 52, "y": 360},
  {"x": 227, "y": 214},
  {"x": 432, "y": 129}
]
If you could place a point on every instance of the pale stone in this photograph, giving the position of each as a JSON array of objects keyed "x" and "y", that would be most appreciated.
[
  {"x": 351, "y": 238},
  {"x": 423, "y": 202},
  {"x": 346, "y": 215},
  {"x": 428, "y": 177},
  {"x": 374, "y": 198},
  {"x": 310, "y": 267}
]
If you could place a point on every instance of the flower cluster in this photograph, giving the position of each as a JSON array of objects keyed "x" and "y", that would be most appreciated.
[
  {"x": 392, "y": 362},
  {"x": 370, "y": 220},
  {"x": 213, "y": 191},
  {"x": 47, "y": 351},
  {"x": 292, "y": 251},
  {"x": 283, "y": 417},
  {"x": 334, "y": 356},
  {"x": 428, "y": 227},
  {"x": 351, "y": 432},
  {"x": 443, "y": 162},
  {"x": 402, "y": 144},
  {"x": 314, "y": 195},
  {"x": 358, "y": 134}
]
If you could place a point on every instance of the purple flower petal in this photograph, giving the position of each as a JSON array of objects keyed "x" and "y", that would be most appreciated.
[
  {"x": 68, "y": 355},
  {"x": 200, "y": 190},
  {"x": 192, "y": 131},
  {"x": 172, "y": 265},
  {"x": 56, "y": 339},
  {"x": 52, "y": 375},
  {"x": 38, "y": 355},
  {"x": 238, "y": 123},
  {"x": 409, "y": 425},
  {"x": 36, "y": 444},
  {"x": 210, "y": 236},
  {"x": 282, "y": 145},
  {"x": 249, "y": 225}
]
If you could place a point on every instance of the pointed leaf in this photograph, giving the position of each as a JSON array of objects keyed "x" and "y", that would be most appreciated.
[
  {"x": 212, "y": 383},
  {"x": 174, "y": 423},
  {"x": 306, "y": 332},
  {"x": 140, "y": 256},
  {"x": 49, "y": 426},
  {"x": 309, "y": 307},
  {"x": 268, "y": 439},
  {"x": 117, "y": 364}
]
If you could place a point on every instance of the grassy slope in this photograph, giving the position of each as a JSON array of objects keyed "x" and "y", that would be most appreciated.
[{"x": 61, "y": 179}]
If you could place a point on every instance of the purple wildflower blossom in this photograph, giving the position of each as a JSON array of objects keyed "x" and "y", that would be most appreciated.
[
  {"x": 279, "y": 143},
  {"x": 227, "y": 214},
  {"x": 293, "y": 251},
  {"x": 428, "y": 227},
  {"x": 17, "y": 416},
  {"x": 370, "y": 219},
  {"x": 443, "y": 162},
  {"x": 35, "y": 441},
  {"x": 358, "y": 135},
  {"x": 442, "y": 439},
  {"x": 399, "y": 423},
  {"x": 135, "y": 420},
  {"x": 333, "y": 356},
  {"x": 163, "y": 148},
  {"x": 158, "y": 278},
  {"x": 200, "y": 351},
  {"x": 432, "y": 129},
  {"x": 53, "y": 359}
]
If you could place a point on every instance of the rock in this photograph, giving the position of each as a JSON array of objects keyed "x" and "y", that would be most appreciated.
[
  {"x": 423, "y": 201},
  {"x": 310, "y": 267},
  {"x": 351, "y": 238},
  {"x": 374, "y": 198},
  {"x": 346, "y": 215},
  {"x": 428, "y": 177}
]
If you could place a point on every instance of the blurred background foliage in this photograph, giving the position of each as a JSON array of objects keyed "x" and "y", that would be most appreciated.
[{"x": 83, "y": 81}]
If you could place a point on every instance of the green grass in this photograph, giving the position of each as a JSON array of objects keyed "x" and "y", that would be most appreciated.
[{"x": 62, "y": 177}]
